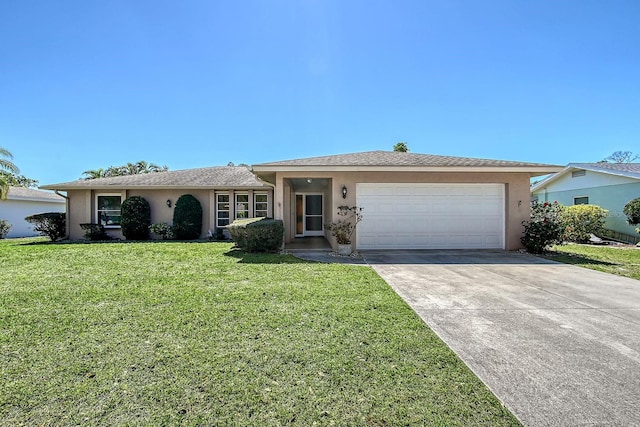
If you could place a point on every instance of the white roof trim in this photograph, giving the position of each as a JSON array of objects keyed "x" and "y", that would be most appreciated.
[
  {"x": 35, "y": 199},
  {"x": 581, "y": 166}
]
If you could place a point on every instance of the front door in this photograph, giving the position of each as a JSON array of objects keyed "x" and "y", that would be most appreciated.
[{"x": 309, "y": 218}]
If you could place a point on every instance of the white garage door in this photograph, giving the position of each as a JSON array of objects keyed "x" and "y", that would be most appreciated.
[{"x": 431, "y": 216}]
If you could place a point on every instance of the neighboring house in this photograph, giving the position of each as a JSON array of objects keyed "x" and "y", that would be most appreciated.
[
  {"x": 225, "y": 193},
  {"x": 410, "y": 201},
  {"x": 22, "y": 202},
  {"x": 608, "y": 185}
]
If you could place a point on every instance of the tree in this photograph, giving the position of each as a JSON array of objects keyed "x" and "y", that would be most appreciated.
[
  {"x": 128, "y": 169},
  {"x": 6, "y": 167},
  {"x": 402, "y": 147},
  {"x": 94, "y": 173},
  {"x": 21, "y": 181},
  {"x": 632, "y": 211},
  {"x": 621, "y": 157}
]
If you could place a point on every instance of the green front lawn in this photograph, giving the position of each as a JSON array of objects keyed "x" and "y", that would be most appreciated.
[
  {"x": 198, "y": 334},
  {"x": 620, "y": 260}
]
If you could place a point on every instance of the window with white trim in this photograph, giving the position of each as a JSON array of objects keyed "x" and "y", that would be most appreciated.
[
  {"x": 108, "y": 210},
  {"x": 260, "y": 205},
  {"x": 222, "y": 210},
  {"x": 242, "y": 206},
  {"x": 581, "y": 200}
]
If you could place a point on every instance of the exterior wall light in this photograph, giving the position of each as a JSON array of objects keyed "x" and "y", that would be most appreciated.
[
  {"x": 344, "y": 191},
  {"x": 169, "y": 202}
]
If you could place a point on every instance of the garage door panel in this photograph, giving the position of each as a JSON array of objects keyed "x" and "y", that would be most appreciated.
[{"x": 424, "y": 216}]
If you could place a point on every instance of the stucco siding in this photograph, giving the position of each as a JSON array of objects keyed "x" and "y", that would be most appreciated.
[
  {"x": 15, "y": 212},
  {"x": 610, "y": 197},
  {"x": 82, "y": 207},
  {"x": 517, "y": 193}
]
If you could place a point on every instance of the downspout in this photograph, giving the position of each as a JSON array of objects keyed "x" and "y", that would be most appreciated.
[{"x": 67, "y": 227}]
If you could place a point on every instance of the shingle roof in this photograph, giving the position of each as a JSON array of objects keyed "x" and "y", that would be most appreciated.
[
  {"x": 399, "y": 159},
  {"x": 22, "y": 193},
  {"x": 213, "y": 177},
  {"x": 629, "y": 170}
]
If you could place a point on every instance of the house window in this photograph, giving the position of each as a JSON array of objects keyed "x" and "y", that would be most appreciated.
[
  {"x": 576, "y": 174},
  {"x": 242, "y": 206},
  {"x": 581, "y": 200},
  {"x": 260, "y": 206},
  {"x": 108, "y": 210},
  {"x": 222, "y": 210}
]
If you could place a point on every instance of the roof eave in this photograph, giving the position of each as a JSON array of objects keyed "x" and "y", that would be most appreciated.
[
  {"x": 62, "y": 187},
  {"x": 579, "y": 166},
  {"x": 534, "y": 170},
  {"x": 35, "y": 199}
]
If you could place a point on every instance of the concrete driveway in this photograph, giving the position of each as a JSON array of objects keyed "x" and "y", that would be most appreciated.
[{"x": 558, "y": 344}]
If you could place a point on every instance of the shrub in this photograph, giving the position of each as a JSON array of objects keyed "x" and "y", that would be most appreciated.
[
  {"x": 545, "y": 228},
  {"x": 50, "y": 224},
  {"x": 163, "y": 230},
  {"x": 5, "y": 226},
  {"x": 343, "y": 229},
  {"x": 94, "y": 232},
  {"x": 136, "y": 218},
  {"x": 632, "y": 211},
  {"x": 187, "y": 218},
  {"x": 582, "y": 221},
  {"x": 257, "y": 234}
]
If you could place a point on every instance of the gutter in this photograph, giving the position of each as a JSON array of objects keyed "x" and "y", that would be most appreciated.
[{"x": 60, "y": 194}]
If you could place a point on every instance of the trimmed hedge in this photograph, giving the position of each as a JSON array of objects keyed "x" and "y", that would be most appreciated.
[
  {"x": 50, "y": 224},
  {"x": 257, "y": 234},
  {"x": 136, "y": 218},
  {"x": 582, "y": 221},
  {"x": 94, "y": 232},
  {"x": 187, "y": 218}
]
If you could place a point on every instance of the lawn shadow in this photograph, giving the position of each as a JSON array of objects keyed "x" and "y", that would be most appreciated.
[
  {"x": 112, "y": 241},
  {"x": 264, "y": 258},
  {"x": 575, "y": 259}
]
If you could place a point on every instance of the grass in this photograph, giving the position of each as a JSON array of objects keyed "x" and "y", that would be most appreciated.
[
  {"x": 199, "y": 334},
  {"x": 620, "y": 260}
]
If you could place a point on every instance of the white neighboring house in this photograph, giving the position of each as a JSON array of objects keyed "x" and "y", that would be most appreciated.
[{"x": 22, "y": 202}]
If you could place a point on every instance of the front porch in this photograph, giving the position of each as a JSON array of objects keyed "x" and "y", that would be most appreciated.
[{"x": 315, "y": 243}]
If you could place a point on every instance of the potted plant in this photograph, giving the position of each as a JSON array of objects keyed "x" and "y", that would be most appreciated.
[{"x": 343, "y": 229}]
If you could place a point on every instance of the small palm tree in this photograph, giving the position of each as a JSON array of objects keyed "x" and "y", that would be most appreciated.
[
  {"x": 94, "y": 173},
  {"x": 6, "y": 168},
  {"x": 402, "y": 147}
]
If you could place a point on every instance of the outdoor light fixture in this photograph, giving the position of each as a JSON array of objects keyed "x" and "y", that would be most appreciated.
[
  {"x": 344, "y": 191},
  {"x": 169, "y": 202}
]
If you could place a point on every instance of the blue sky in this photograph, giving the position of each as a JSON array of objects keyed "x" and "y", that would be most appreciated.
[{"x": 87, "y": 84}]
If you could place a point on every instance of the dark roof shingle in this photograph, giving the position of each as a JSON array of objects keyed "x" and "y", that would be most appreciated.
[
  {"x": 212, "y": 177},
  {"x": 399, "y": 159}
]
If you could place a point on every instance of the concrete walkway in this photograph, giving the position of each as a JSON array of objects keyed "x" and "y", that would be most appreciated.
[{"x": 558, "y": 344}]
